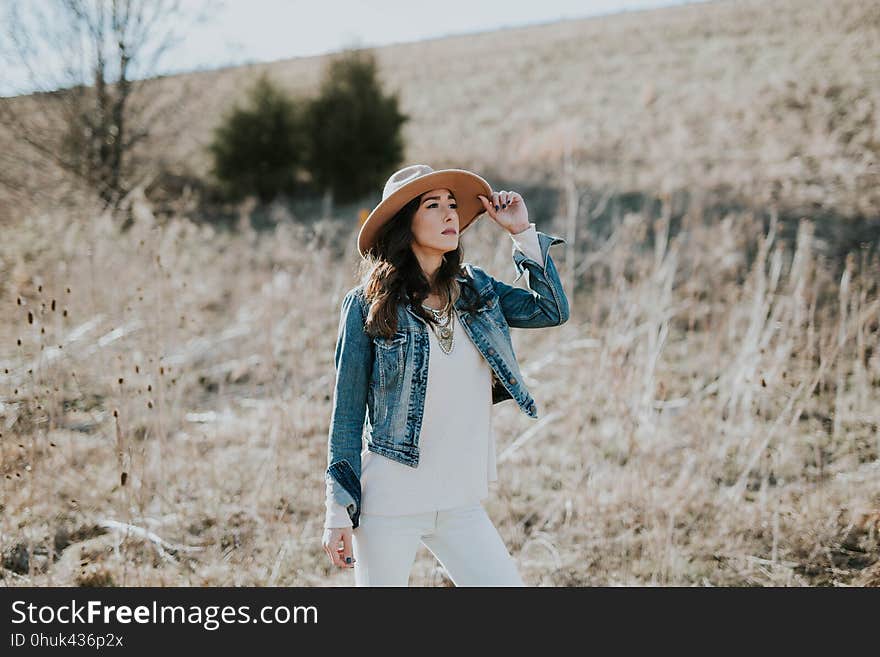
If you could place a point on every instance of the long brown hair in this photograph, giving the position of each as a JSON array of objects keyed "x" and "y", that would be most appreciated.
[{"x": 392, "y": 275}]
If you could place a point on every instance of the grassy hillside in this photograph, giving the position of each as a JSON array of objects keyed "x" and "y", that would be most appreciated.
[{"x": 760, "y": 99}]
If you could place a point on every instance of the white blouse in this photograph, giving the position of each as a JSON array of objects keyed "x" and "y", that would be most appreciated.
[{"x": 460, "y": 380}]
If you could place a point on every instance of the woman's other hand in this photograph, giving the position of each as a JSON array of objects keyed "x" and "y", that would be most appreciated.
[
  {"x": 337, "y": 545},
  {"x": 508, "y": 209}
]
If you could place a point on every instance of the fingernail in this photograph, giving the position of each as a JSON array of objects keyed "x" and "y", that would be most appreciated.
[
  {"x": 347, "y": 559},
  {"x": 496, "y": 207},
  {"x": 504, "y": 205}
]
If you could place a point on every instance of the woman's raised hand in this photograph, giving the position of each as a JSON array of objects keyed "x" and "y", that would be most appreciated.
[
  {"x": 337, "y": 545},
  {"x": 508, "y": 209}
]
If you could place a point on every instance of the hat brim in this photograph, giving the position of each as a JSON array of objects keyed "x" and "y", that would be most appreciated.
[{"x": 464, "y": 185}]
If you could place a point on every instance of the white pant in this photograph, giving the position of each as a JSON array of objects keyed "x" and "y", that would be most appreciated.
[{"x": 464, "y": 540}]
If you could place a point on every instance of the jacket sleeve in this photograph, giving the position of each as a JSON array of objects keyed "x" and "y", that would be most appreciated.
[
  {"x": 353, "y": 360},
  {"x": 544, "y": 302}
]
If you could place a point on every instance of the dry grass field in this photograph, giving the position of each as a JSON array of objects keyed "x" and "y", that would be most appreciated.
[
  {"x": 708, "y": 416},
  {"x": 703, "y": 420}
]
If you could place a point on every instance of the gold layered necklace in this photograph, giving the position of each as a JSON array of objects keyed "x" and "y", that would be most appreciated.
[{"x": 444, "y": 328}]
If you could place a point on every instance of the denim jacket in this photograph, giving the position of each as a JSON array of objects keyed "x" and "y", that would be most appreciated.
[{"x": 380, "y": 384}]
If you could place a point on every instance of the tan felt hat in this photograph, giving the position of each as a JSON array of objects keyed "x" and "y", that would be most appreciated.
[{"x": 412, "y": 181}]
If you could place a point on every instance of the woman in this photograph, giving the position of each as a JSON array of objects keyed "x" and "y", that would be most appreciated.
[{"x": 423, "y": 352}]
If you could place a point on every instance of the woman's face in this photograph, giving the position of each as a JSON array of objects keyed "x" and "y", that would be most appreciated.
[{"x": 435, "y": 224}]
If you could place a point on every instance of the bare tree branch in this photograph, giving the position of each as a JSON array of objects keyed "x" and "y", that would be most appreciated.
[{"x": 85, "y": 112}]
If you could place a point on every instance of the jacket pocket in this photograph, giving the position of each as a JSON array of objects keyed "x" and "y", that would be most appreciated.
[
  {"x": 490, "y": 311},
  {"x": 390, "y": 366}
]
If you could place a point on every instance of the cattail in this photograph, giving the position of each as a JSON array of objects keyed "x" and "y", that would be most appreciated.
[
  {"x": 65, "y": 312},
  {"x": 137, "y": 369},
  {"x": 19, "y": 301},
  {"x": 53, "y": 305},
  {"x": 149, "y": 404},
  {"x": 121, "y": 380},
  {"x": 123, "y": 478},
  {"x": 30, "y": 317},
  {"x": 68, "y": 290},
  {"x": 149, "y": 388}
]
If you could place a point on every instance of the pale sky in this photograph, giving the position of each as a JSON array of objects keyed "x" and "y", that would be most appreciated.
[{"x": 247, "y": 31}]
